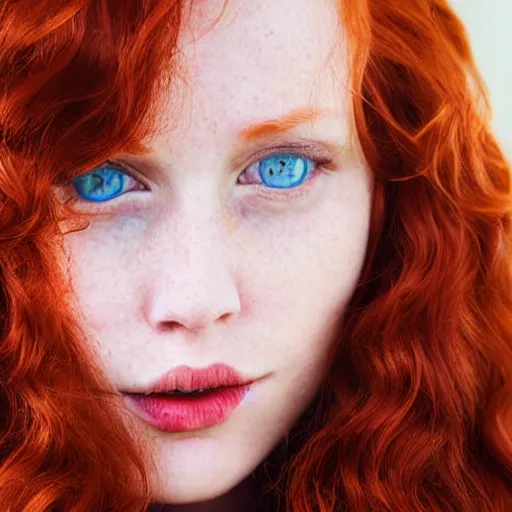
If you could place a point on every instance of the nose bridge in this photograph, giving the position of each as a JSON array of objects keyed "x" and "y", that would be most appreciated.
[{"x": 190, "y": 277}]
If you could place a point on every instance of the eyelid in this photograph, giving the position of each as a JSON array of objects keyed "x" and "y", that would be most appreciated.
[
  {"x": 316, "y": 151},
  {"x": 128, "y": 170},
  {"x": 120, "y": 165}
]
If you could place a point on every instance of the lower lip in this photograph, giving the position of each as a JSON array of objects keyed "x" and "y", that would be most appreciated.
[{"x": 182, "y": 413}]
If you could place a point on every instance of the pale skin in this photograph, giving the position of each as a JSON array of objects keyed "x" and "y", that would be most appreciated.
[{"x": 206, "y": 264}]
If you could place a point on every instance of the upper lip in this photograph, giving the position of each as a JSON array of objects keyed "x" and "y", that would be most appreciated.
[{"x": 184, "y": 378}]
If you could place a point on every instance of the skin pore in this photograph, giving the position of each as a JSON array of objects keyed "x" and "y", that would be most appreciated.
[{"x": 209, "y": 255}]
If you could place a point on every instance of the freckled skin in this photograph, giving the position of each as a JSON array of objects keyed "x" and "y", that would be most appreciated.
[{"x": 199, "y": 269}]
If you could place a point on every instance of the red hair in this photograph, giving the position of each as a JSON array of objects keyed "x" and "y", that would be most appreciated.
[{"x": 413, "y": 414}]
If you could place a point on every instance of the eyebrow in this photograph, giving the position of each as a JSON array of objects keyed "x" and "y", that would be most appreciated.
[{"x": 279, "y": 125}]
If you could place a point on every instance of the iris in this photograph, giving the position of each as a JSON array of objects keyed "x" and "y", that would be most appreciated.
[
  {"x": 285, "y": 170},
  {"x": 101, "y": 184}
]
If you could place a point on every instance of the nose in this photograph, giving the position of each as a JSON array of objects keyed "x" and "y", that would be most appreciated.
[{"x": 190, "y": 282}]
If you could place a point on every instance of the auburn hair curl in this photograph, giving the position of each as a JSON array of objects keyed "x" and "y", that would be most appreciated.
[{"x": 415, "y": 412}]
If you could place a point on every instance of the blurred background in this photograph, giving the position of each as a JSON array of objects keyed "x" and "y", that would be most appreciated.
[{"x": 489, "y": 23}]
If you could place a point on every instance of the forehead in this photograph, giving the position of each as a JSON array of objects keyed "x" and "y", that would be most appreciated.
[{"x": 245, "y": 61}]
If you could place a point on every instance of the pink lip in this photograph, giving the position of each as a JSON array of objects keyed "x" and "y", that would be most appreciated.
[{"x": 175, "y": 413}]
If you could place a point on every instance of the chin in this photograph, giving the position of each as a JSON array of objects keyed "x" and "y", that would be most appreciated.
[
  {"x": 195, "y": 488},
  {"x": 187, "y": 494}
]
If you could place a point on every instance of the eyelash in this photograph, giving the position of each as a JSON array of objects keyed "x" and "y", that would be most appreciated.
[{"x": 315, "y": 163}]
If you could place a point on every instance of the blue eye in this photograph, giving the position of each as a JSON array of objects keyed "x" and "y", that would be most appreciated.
[
  {"x": 284, "y": 170},
  {"x": 102, "y": 184}
]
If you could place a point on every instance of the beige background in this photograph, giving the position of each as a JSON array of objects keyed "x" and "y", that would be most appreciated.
[{"x": 490, "y": 27}]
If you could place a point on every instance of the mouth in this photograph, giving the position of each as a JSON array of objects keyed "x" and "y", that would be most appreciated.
[
  {"x": 187, "y": 399},
  {"x": 178, "y": 392},
  {"x": 177, "y": 411},
  {"x": 190, "y": 380},
  {"x": 181, "y": 392}
]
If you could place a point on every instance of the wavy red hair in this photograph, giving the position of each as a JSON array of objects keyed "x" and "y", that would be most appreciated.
[{"x": 414, "y": 414}]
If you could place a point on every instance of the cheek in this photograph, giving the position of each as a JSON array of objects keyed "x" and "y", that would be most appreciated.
[
  {"x": 300, "y": 272},
  {"x": 300, "y": 285},
  {"x": 104, "y": 281}
]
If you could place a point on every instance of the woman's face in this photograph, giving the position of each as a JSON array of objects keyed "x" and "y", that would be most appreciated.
[{"x": 238, "y": 240}]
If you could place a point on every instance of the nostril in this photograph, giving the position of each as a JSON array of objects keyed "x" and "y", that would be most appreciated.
[
  {"x": 170, "y": 326},
  {"x": 225, "y": 317}
]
